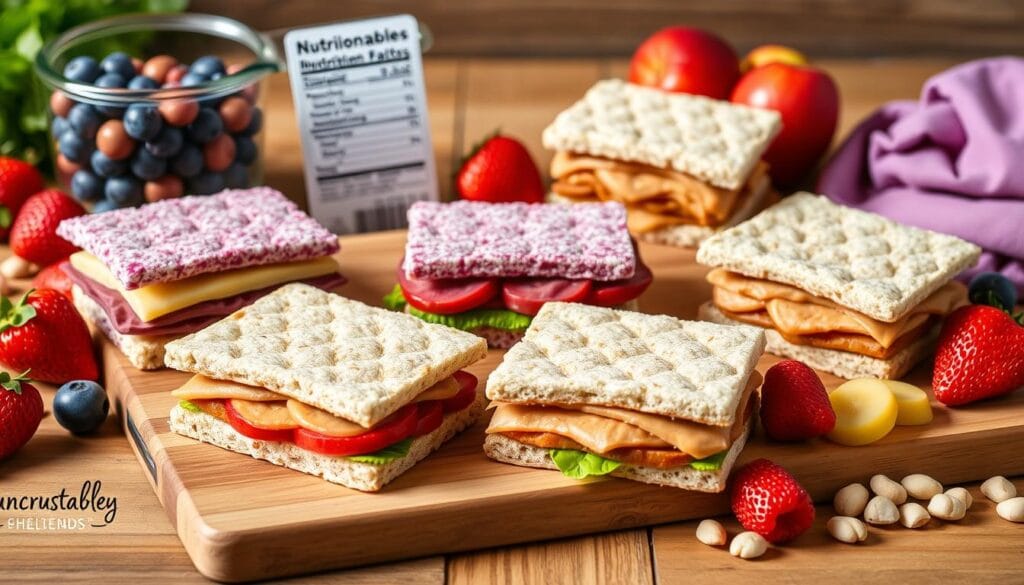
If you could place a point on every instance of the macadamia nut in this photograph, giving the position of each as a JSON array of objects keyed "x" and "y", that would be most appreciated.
[
  {"x": 961, "y": 494},
  {"x": 711, "y": 533},
  {"x": 998, "y": 489},
  {"x": 889, "y": 489},
  {"x": 881, "y": 511},
  {"x": 847, "y": 529},
  {"x": 945, "y": 507},
  {"x": 850, "y": 500},
  {"x": 921, "y": 486},
  {"x": 748, "y": 545},
  {"x": 913, "y": 515},
  {"x": 1012, "y": 509}
]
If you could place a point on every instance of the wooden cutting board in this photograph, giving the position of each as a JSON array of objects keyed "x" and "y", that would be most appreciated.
[{"x": 243, "y": 519}]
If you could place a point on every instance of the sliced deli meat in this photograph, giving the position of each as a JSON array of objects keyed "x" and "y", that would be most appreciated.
[
  {"x": 617, "y": 292},
  {"x": 447, "y": 296},
  {"x": 528, "y": 295}
]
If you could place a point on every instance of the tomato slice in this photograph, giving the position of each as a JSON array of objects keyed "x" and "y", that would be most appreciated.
[
  {"x": 431, "y": 415},
  {"x": 449, "y": 295},
  {"x": 528, "y": 295},
  {"x": 467, "y": 393},
  {"x": 616, "y": 292},
  {"x": 391, "y": 430},
  {"x": 245, "y": 428}
]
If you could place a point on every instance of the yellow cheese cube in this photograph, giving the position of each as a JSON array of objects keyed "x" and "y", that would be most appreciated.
[
  {"x": 912, "y": 402},
  {"x": 866, "y": 411}
]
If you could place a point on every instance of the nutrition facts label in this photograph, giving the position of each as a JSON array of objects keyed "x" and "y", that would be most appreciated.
[{"x": 362, "y": 113}]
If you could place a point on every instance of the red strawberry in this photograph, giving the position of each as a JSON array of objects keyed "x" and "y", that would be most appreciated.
[
  {"x": 54, "y": 277},
  {"x": 18, "y": 180},
  {"x": 767, "y": 500},
  {"x": 500, "y": 170},
  {"x": 980, "y": 355},
  {"x": 794, "y": 403},
  {"x": 44, "y": 332},
  {"x": 34, "y": 234},
  {"x": 21, "y": 409}
]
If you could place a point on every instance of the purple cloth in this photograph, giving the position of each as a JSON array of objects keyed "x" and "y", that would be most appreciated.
[{"x": 951, "y": 162}]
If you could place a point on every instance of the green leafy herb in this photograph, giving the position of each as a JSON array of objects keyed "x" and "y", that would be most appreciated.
[
  {"x": 578, "y": 464},
  {"x": 385, "y": 455},
  {"x": 395, "y": 300},
  {"x": 503, "y": 319},
  {"x": 25, "y": 27},
  {"x": 190, "y": 406},
  {"x": 710, "y": 463}
]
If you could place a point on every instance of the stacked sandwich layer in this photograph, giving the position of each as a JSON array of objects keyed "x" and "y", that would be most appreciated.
[
  {"x": 488, "y": 268},
  {"x": 646, "y": 397},
  {"x": 846, "y": 291},
  {"x": 151, "y": 274},
  {"x": 328, "y": 386},
  {"x": 683, "y": 165}
]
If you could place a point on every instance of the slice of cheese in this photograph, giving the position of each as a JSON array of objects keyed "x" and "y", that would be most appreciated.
[
  {"x": 159, "y": 299},
  {"x": 203, "y": 388}
]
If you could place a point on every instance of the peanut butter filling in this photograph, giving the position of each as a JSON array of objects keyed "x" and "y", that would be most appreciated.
[
  {"x": 806, "y": 319},
  {"x": 655, "y": 198}
]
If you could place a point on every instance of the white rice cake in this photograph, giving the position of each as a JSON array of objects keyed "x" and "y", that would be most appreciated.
[{"x": 860, "y": 260}]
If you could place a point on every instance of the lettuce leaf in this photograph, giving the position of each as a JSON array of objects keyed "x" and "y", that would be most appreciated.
[
  {"x": 385, "y": 455},
  {"x": 578, "y": 464},
  {"x": 497, "y": 318},
  {"x": 189, "y": 406},
  {"x": 711, "y": 462}
]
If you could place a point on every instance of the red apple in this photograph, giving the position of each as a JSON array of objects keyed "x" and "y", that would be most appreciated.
[
  {"x": 687, "y": 60},
  {"x": 808, "y": 100}
]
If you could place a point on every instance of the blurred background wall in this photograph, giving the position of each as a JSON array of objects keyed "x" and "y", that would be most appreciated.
[{"x": 532, "y": 28}]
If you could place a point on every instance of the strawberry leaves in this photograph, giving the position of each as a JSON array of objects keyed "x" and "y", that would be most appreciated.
[
  {"x": 12, "y": 315},
  {"x": 13, "y": 383}
]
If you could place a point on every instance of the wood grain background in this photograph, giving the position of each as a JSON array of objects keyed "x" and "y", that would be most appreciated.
[{"x": 535, "y": 28}]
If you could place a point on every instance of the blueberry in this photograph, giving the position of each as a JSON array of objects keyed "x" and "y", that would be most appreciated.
[
  {"x": 85, "y": 120},
  {"x": 207, "y": 65},
  {"x": 104, "y": 166},
  {"x": 206, "y": 183},
  {"x": 193, "y": 79},
  {"x": 188, "y": 162},
  {"x": 167, "y": 142},
  {"x": 74, "y": 147},
  {"x": 236, "y": 176},
  {"x": 124, "y": 191},
  {"x": 142, "y": 82},
  {"x": 81, "y": 406},
  {"x": 245, "y": 150},
  {"x": 118, "y": 63},
  {"x": 104, "y": 205},
  {"x": 58, "y": 126},
  {"x": 255, "y": 124},
  {"x": 148, "y": 167},
  {"x": 216, "y": 76},
  {"x": 82, "y": 69},
  {"x": 86, "y": 186},
  {"x": 206, "y": 126},
  {"x": 992, "y": 288},
  {"x": 142, "y": 121},
  {"x": 111, "y": 111},
  {"x": 111, "y": 80}
]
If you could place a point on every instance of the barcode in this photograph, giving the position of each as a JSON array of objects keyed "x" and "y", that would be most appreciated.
[{"x": 387, "y": 215}]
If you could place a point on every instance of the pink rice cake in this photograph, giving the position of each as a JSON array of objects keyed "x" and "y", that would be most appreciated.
[
  {"x": 174, "y": 239},
  {"x": 474, "y": 239}
]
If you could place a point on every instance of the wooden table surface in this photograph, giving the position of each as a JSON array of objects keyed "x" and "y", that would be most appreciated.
[{"x": 469, "y": 98}]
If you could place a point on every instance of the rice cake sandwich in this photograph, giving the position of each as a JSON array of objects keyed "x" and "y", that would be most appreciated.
[
  {"x": 845, "y": 291},
  {"x": 328, "y": 386},
  {"x": 684, "y": 165},
  {"x": 593, "y": 390},
  {"x": 151, "y": 274},
  {"x": 488, "y": 268}
]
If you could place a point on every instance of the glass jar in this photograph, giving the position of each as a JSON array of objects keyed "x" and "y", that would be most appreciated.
[{"x": 149, "y": 106}]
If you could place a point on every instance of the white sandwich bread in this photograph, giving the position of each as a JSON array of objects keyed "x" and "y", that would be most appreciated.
[
  {"x": 328, "y": 386},
  {"x": 596, "y": 391},
  {"x": 846, "y": 291}
]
